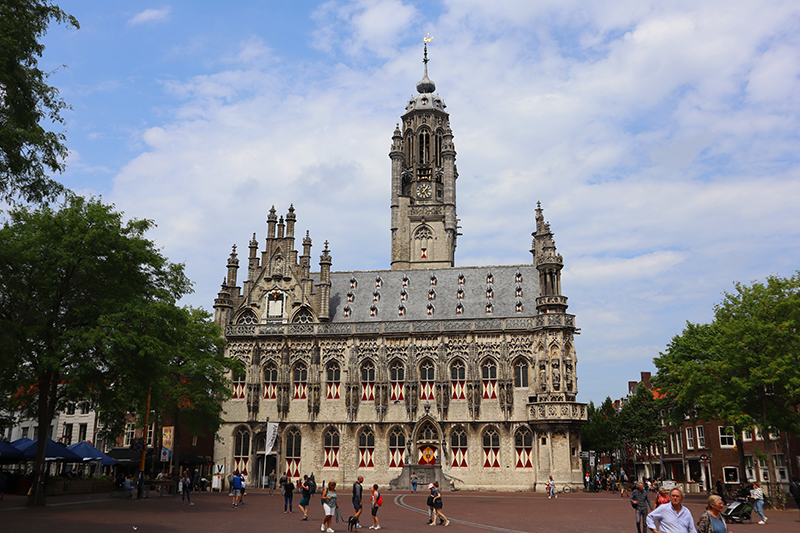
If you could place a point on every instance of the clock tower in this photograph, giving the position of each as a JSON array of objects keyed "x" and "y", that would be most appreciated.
[{"x": 424, "y": 223}]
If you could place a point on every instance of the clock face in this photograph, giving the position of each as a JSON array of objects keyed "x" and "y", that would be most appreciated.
[{"x": 423, "y": 190}]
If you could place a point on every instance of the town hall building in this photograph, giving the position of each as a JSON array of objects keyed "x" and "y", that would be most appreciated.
[{"x": 464, "y": 373}]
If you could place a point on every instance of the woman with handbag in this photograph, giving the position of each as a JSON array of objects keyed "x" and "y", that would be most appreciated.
[
  {"x": 437, "y": 505},
  {"x": 329, "y": 506}
]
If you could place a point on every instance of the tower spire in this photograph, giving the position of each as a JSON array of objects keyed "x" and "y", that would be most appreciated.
[{"x": 426, "y": 85}]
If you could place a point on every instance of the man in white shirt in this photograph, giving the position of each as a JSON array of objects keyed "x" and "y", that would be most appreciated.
[{"x": 672, "y": 517}]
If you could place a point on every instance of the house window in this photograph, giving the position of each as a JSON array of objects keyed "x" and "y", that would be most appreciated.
[
  {"x": 730, "y": 474},
  {"x": 489, "y": 374},
  {"x": 690, "y": 438},
  {"x": 491, "y": 449},
  {"x": 331, "y": 448},
  {"x": 238, "y": 385},
  {"x": 523, "y": 445},
  {"x": 294, "y": 443},
  {"x": 130, "y": 431},
  {"x": 71, "y": 409},
  {"x": 85, "y": 408},
  {"x": 426, "y": 380},
  {"x": 780, "y": 466},
  {"x": 270, "y": 381},
  {"x": 82, "y": 431},
  {"x": 150, "y": 431},
  {"x": 458, "y": 380},
  {"x": 458, "y": 447},
  {"x": 749, "y": 468},
  {"x": 521, "y": 373},
  {"x": 366, "y": 448},
  {"x": 701, "y": 437},
  {"x": 726, "y": 439},
  {"x": 747, "y": 435},
  {"x": 397, "y": 448},
  {"x": 67, "y": 435},
  {"x": 333, "y": 384},
  {"x": 300, "y": 382},
  {"x": 397, "y": 377},
  {"x": 368, "y": 382}
]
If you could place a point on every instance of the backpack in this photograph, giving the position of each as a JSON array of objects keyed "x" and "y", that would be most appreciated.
[{"x": 312, "y": 485}]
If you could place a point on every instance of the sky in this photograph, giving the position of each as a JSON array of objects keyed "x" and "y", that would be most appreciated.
[{"x": 660, "y": 136}]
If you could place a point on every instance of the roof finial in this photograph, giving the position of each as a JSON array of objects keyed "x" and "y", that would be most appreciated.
[{"x": 426, "y": 85}]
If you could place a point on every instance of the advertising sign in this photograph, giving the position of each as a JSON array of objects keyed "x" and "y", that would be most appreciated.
[{"x": 166, "y": 443}]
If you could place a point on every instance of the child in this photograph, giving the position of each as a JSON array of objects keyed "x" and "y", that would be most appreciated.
[{"x": 377, "y": 501}]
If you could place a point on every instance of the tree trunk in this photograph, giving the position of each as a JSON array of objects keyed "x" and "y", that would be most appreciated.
[{"x": 36, "y": 497}]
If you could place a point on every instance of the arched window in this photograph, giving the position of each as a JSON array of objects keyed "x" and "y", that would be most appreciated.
[
  {"x": 366, "y": 448},
  {"x": 428, "y": 432},
  {"x": 397, "y": 377},
  {"x": 368, "y": 382},
  {"x": 489, "y": 375},
  {"x": 426, "y": 380},
  {"x": 458, "y": 380},
  {"x": 248, "y": 317},
  {"x": 333, "y": 383},
  {"x": 523, "y": 444},
  {"x": 331, "y": 448},
  {"x": 397, "y": 448},
  {"x": 521, "y": 373},
  {"x": 270, "y": 381},
  {"x": 458, "y": 445},
  {"x": 241, "y": 451},
  {"x": 428, "y": 441},
  {"x": 293, "y": 448},
  {"x": 304, "y": 316},
  {"x": 238, "y": 385},
  {"x": 491, "y": 449},
  {"x": 424, "y": 147},
  {"x": 300, "y": 381}
]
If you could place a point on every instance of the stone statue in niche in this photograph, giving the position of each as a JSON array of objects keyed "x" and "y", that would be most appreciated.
[
  {"x": 556, "y": 376},
  {"x": 542, "y": 376},
  {"x": 568, "y": 375}
]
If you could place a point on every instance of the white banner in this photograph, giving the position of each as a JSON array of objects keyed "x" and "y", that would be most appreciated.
[{"x": 272, "y": 434}]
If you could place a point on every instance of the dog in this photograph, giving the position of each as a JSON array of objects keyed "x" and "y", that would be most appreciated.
[{"x": 352, "y": 523}]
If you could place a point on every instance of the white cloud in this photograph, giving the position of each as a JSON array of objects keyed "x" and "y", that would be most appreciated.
[
  {"x": 150, "y": 16},
  {"x": 661, "y": 139}
]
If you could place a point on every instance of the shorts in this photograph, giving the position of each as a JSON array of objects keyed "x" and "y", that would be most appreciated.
[
  {"x": 271, "y": 485},
  {"x": 304, "y": 501},
  {"x": 375, "y": 510},
  {"x": 357, "y": 505},
  {"x": 328, "y": 509},
  {"x": 236, "y": 492}
]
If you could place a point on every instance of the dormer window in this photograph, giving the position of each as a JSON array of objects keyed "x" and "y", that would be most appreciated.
[
  {"x": 346, "y": 311},
  {"x": 518, "y": 292},
  {"x": 489, "y": 293},
  {"x": 378, "y": 282},
  {"x": 376, "y": 296},
  {"x": 351, "y": 296},
  {"x": 430, "y": 309},
  {"x": 460, "y": 309},
  {"x": 373, "y": 310},
  {"x": 489, "y": 278},
  {"x": 433, "y": 280},
  {"x": 488, "y": 308},
  {"x": 518, "y": 277},
  {"x": 405, "y": 281},
  {"x": 403, "y": 295},
  {"x": 460, "y": 294},
  {"x": 353, "y": 282},
  {"x": 518, "y": 307},
  {"x": 461, "y": 279},
  {"x": 401, "y": 310},
  {"x": 432, "y": 294}
]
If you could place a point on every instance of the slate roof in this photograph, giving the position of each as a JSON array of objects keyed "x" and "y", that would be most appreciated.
[{"x": 417, "y": 289}]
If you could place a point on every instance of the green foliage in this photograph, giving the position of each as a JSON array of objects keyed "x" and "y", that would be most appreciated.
[
  {"x": 601, "y": 432},
  {"x": 742, "y": 368},
  {"x": 639, "y": 420},
  {"x": 28, "y": 151}
]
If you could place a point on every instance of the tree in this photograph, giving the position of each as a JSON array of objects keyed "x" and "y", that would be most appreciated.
[
  {"x": 743, "y": 368},
  {"x": 601, "y": 433},
  {"x": 84, "y": 301},
  {"x": 640, "y": 423},
  {"x": 28, "y": 151}
]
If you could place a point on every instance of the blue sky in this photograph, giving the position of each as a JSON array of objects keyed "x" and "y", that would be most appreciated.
[{"x": 660, "y": 137}]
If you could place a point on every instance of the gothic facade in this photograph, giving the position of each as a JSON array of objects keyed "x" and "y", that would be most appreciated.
[{"x": 463, "y": 373}]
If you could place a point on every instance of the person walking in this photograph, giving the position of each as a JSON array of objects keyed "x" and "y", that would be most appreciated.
[
  {"x": 662, "y": 497},
  {"x": 672, "y": 517},
  {"x": 357, "y": 496},
  {"x": 551, "y": 488},
  {"x": 377, "y": 501},
  {"x": 236, "y": 488},
  {"x": 329, "y": 505},
  {"x": 758, "y": 502},
  {"x": 305, "y": 497},
  {"x": 288, "y": 494},
  {"x": 720, "y": 489},
  {"x": 712, "y": 521},
  {"x": 414, "y": 481},
  {"x": 187, "y": 488},
  {"x": 641, "y": 503},
  {"x": 272, "y": 478},
  {"x": 437, "y": 505}
]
